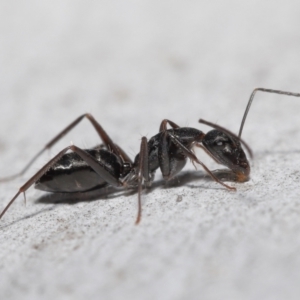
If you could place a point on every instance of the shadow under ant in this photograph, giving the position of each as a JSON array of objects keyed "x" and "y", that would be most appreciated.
[
  {"x": 28, "y": 216},
  {"x": 109, "y": 193}
]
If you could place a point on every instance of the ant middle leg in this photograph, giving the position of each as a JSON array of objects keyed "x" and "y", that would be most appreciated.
[{"x": 165, "y": 164}]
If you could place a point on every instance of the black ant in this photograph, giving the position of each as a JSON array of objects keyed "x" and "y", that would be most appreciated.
[{"x": 107, "y": 164}]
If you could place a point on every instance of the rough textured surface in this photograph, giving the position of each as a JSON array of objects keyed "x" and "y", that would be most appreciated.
[{"x": 132, "y": 64}]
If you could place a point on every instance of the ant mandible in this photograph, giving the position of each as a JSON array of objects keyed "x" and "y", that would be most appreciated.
[{"x": 85, "y": 170}]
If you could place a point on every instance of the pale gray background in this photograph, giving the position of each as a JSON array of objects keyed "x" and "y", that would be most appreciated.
[{"x": 131, "y": 64}]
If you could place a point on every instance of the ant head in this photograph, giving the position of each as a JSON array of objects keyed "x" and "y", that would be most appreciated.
[{"x": 227, "y": 150}]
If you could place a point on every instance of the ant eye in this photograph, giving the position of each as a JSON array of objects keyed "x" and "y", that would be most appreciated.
[{"x": 220, "y": 143}]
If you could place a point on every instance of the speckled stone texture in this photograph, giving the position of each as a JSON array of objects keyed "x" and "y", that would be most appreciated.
[{"x": 132, "y": 64}]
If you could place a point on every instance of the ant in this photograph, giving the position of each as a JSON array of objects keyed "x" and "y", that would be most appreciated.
[{"x": 83, "y": 170}]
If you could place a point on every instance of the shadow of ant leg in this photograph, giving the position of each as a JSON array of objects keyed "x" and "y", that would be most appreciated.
[{"x": 228, "y": 175}]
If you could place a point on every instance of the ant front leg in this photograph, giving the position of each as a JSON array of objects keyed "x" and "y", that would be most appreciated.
[
  {"x": 226, "y": 149},
  {"x": 222, "y": 174},
  {"x": 101, "y": 132},
  {"x": 163, "y": 150},
  {"x": 91, "y": 161},
  {"x": 167, "y": 166}
]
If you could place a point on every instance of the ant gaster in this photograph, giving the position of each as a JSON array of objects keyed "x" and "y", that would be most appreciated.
[{"x": 107, "y": 164}]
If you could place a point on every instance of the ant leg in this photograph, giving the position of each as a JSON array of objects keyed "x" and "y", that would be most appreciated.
[
  {"x": 101, "y": 132},
  {"x": 216, "y": 126},
  {"x": 252, "y": 97},
  {"x": 207, "y": 152},
  {"x": 143, "y": 175},
  {"x": 193, "y": 157},
  {"x": 163, "y": 125},
  {"x": 224, "y": 174},
  {"x": 163, "y": 156},
  {"x": 94, "y": 164}
]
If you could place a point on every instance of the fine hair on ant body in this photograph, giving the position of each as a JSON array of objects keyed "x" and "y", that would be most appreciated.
[{"x": 83, "y": 170}]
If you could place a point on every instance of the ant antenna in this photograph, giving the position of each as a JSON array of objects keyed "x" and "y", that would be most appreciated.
[{"x": 252, "y": 97}]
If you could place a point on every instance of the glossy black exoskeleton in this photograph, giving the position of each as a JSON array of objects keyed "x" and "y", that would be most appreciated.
[
  {"x": 108, "y": 164},
  {"x": 72, "y": 174},
  {"x": 170, "y": 149}
]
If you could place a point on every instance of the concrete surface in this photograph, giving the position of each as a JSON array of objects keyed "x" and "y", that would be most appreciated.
[{"x": 132, "y": 64}]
